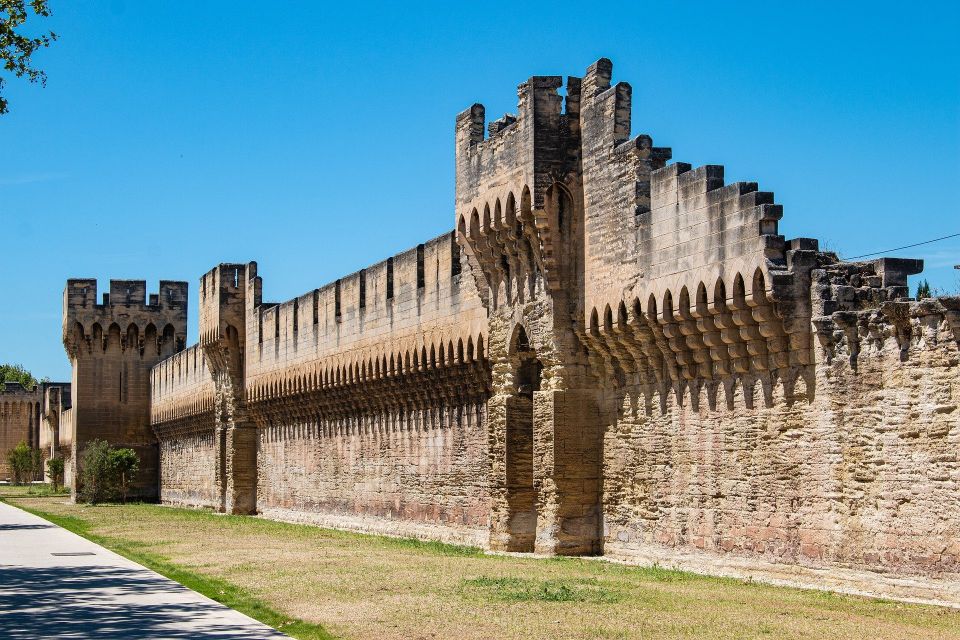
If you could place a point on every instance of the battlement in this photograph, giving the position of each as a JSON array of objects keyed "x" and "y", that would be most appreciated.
[
  {"x": 82, "y": 293},
  {"x": 223, "y": 292},
  {"x": 652, "y": 227},
  {"x": 397, "y": 300},
  {"x": 124, "y": 318},
  {"x": 15, "y": 390},
  {"x": 180, "y": 385},
  {"x": 537, "y": 97},
  {"x": 525, "y": 148}
]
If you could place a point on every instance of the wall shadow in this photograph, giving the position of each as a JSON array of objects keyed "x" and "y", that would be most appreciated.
[{"x": 77, "y": 602}]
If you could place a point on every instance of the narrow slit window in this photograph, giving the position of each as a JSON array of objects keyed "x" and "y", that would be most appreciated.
[
  {"x": 363, "y": 288},
  {"x": 421, "y": 277},
  {"x": 389, "y": 278},
  {"x": 296, "y": 315},
  {"x": 336, "y": 300},
  {"x": 454, "y": 255}
]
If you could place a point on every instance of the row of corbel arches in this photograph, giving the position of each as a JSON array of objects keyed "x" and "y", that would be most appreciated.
[
  {"x": 506, "y": 241},
  {"x": 343, "y": 371},
  {"x": 726, "y": 328},
  {"x": 788, "y": 388},
  {"x": 150, "y": 342}
]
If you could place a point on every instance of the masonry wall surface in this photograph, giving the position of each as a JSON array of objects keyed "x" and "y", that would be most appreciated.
[{"x": 429, "y": 473}]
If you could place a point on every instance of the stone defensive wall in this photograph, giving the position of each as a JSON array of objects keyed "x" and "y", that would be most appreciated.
[
  {"x": 611, "y": 354},
  {"x": 348, "y": 386},
  {"x": 19, "y": 420}
]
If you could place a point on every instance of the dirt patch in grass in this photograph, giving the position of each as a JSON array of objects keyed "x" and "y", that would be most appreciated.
[
  {"x": 360, "y": 586},
  {"x": 487, "y": 588}
]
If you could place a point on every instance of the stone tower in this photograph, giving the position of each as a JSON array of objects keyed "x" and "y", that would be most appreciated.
[
  {"x": 223, "y": 321},
  {"x": 520, "y": 217},
  {"x": 112, "y": 347}
]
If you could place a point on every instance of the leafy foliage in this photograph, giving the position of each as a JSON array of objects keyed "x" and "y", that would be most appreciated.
[
  {"x": 923, "y": 290},
  {"x": 16, "y": 372},
  {"x": 106, "y": 472},
  {"x": 16, "y": 48},
  {"x": 55, "y": 469},
  {"x": 25, "y": 463}
]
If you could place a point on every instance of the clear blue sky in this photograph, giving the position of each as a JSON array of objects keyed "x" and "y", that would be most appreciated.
[{"x": 317, "y": 138}]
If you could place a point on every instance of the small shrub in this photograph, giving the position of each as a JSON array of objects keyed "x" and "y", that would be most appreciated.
[
  {"x": 106, "y": 472},
  {"x": 25, "y": 463},
  {"x": 55, "y": 470},
  {"x": 923, "y": 290}
]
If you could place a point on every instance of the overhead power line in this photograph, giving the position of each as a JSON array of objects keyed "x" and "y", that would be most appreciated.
[{"x": 866, "y": 255}]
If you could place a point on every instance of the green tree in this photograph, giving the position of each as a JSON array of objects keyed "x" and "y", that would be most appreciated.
[
  {"x": 16, "y": 48},
  {"x": 923, "y": 290},
  {"x": 124, "y": 464},
  {"x": 16, "y": 372},
  {"x": 21, "y": 460},
  {"x": 55, "y": 469}
]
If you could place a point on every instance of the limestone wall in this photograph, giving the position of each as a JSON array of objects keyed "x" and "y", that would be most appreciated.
[
  {"x": 423, "y": 476},
  {"x": 841, "y": 466},
  {"x": 366, "y": 394},
  {"x": 188, "y": 463},
  {"x": 368, "y": 418}
]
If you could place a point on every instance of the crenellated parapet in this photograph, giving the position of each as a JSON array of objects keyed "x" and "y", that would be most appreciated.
[
  {"x": 863, "y": 307},
  {"x": 712, "y": 289},
  {"x": 180, "y": 387},
  {"x": 508, "y": 196},
  {"x": 124, "y": 319}
]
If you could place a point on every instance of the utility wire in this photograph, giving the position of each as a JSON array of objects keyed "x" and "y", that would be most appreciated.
[{"x": 865, "y": 255}]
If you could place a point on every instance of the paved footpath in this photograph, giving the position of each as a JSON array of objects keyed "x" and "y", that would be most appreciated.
[{"x": 55, "y": 584}]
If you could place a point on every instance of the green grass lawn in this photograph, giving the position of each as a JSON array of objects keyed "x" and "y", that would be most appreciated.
[
  {"x": 34, "y": 490},
  {"x": 320, "y": 583}
]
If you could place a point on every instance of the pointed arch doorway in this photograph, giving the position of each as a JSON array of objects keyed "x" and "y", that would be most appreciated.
[{"x": 520, "y": 489}]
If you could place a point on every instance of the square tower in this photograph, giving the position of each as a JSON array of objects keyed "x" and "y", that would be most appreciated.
[{"x": 112, "y": 346}]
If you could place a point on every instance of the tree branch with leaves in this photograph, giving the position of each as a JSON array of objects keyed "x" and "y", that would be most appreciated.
[{"x": 17, "y": 48}]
